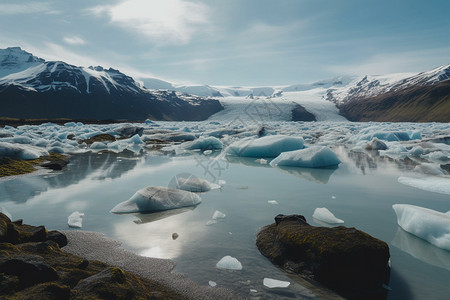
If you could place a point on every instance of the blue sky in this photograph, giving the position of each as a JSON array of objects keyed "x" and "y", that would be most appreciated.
[{"x": 234, "y": 42}]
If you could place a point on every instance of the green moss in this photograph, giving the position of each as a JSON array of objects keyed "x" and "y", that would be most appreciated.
[{"x": 11, "y": 167}]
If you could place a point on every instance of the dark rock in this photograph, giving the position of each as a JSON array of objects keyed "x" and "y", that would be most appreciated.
[
  {"x": 446, "y": 168},
  {"x": 27, "y": 233},
  {"x": 18, "y": 222},
  {"x": 128, "y": 131},
  {"x": 104, "y": 137},
  {"x": 299, "y": 113},
  {"x": 29, "y": 268},
  {"x": 58, "y": 238},
  {"x": 56, "y": 165},
  {"x": 346, "y": 260},
  {"x": 376, "y": 144},
  {"x": 45, "y": 291}
]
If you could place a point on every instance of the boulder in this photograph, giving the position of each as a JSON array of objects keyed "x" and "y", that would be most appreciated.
[
  {"x": 346, "y": 260},
  {"x": 29, "y": 268}
]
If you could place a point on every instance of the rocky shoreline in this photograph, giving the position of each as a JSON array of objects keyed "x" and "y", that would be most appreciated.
[{"x": 40, "y": 264}]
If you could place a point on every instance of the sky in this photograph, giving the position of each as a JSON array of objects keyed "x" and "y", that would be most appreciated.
[{"x": 234, "y": 42}]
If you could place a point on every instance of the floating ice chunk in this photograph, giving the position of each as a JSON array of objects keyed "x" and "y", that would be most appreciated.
[
  {"x": 202, "y": 144},
  {"x": 274, "y": 202},
  {"x": 437, "y": 156},
  {"x": 75, "y": 220},
  {"x": 261, "y": 161},
  {"x": 211, "y": 222},
  {"x": 430, "y": 225},
  {"x": 312, "y": 157},
  {"x": 136, "y": 139},
  {"x": 324, "y": 215},
  {"x": 5, "y": 212},
  {"x": 229, "y": 263},
  {"x": 20, "y": 151},
  {"x": 273, "y": 283},
  {"x": 212, "y": 283},
  {"x": 148, "y": 121},
  {"x": 253, "y": 291},
  {"x": 267, "y": 146},
  {"x": 17, "y": 140},
  {"x": 429, "y": 169},
  {"x": 218, "y": 215},
  {"x": 333, "y": 197},
  {"x": 428, "y": 183},
  {"x": 157, "y": 198},
  {"x": 98, "y": 146},
  {"x": 207, "y": 152},
  {"x": 70, "y": 124},
  {"x": 416, "y": 151},
  {"x": 194, "y": 184}
]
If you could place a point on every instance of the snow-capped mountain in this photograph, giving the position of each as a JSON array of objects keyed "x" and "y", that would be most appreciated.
[
  {"x": 31, "y": 87},
  {"x": 370, "y": 86}
]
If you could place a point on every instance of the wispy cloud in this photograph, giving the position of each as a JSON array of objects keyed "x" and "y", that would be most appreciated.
[
  {"x": 74, "y": 40},
  {"x": 162, "y": 22},
  {"x": 385, "y": 63},
  {"x": 27, "y": 8}
]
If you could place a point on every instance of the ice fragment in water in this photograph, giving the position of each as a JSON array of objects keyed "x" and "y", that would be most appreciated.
[
  {"x": 75, "y": 220},
  {"x": 272, "y": 202},
  {"x": 267, "y": 146},
  {"x": 324, "y": 215},
  {"x": 212, "y": 283},
  {"x": 218, "y": 215},
  {"x": 273, "y": 283},
  {"x": 229, "y": 263},
  {"x": 313, "y": 157}
]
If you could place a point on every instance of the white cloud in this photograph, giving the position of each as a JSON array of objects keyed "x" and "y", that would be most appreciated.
[
  {"x": 386, "y": 63},
  {"x": 74, "y": 40},
  {"x": 163, "y": 22},
  {"x": 26, "y": 8}
]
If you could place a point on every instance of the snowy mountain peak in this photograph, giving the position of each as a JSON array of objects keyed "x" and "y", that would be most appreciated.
[{"x": 14, "y": 59}]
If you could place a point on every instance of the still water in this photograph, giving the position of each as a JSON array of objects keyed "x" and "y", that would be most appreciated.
[{"x": 361, "y": 192}]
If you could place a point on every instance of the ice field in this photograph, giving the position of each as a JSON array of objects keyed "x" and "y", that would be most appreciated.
[{"x": 228, "y": 180}]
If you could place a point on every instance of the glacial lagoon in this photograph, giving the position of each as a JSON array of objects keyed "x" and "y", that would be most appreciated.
[{"x": 361, "y": 191}]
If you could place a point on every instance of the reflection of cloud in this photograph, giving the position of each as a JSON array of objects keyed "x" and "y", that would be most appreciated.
[
  {"x": 421, "y": 250},
  {"x": 154, "y": 239},
  {"x": 318, "y": 175},
  {"x": 168, "y": 21},
  {"x": 26, "y": 8}
]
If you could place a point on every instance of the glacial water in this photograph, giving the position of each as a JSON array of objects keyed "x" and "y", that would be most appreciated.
[{"x": 361, "y": 192}]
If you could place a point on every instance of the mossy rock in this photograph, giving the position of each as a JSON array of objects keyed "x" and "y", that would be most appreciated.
[
  {"x": 104, "y": 137},
  {"x": 346, "y": 260},
  {"x": 11, "y": 166},
  {"x": 34, "y": 267}
]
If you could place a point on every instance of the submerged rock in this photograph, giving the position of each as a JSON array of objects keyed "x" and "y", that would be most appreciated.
[{"x": 346, "y": 260}]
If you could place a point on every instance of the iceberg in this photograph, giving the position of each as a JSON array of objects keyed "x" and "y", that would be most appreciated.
[
  {"x": 437, "y": 184},
  {"x": 430, "y": 225},
  {"x": 229, "y": 263},
  {"x": 218, "y": 215},
  {"x": 324, "y": 215},
  {"x": 157, "y": 198},
  {"x": 75, "y": 220},
  {"x": 312, "y": 157},
  {"x": 267, "y": 146},
  {"x": 191, "y": 183},
  {"x": 203, "y": 144},
  {"x": 273, "y": 283},
  {"x": 20, "y": 151}
]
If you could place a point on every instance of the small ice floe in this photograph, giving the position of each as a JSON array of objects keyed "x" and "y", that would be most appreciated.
[
  {"x": 274, "y": 202},
  {"x": 376, "y": 144},
  {"x": 312, "y": 157},
  {"x": 203, "y": 144},
  {"x": 261, "y": 161},
  {"x": 211, "y": 222},
  {"x": 207, "y": 152},
  {"x": 75, "y": 220},
  {"x": 324, "y": 215},
  {"x": 218, "y": 215},
  {"x": 191, "y": 183},
  {"x": 435, "y": 184},
  {"x": 267, "y": 146},
  {"x": 430, "y": 225},
  {"x": 429, "y": 169},
  {"x": 253, "y": 291},
  {"x": 212, "y": 283},
  {"x": 273, "y": 283},
  {"x": 333, "y": 197},
  {"x": 5, "y": 212},
  {"x": 157, "y": 198},
  {"x": 229, "y": 263}
]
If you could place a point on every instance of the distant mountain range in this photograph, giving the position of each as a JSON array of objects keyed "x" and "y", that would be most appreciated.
[{"x": 31, "y": 87}]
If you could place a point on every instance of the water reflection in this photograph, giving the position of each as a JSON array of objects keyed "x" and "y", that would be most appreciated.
[
  {"x": 156, "y": 216},
  {"x": 318, "y": 175},
  {"x": 421, "y": 250},
  {"x": 94, "y": 166}
]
